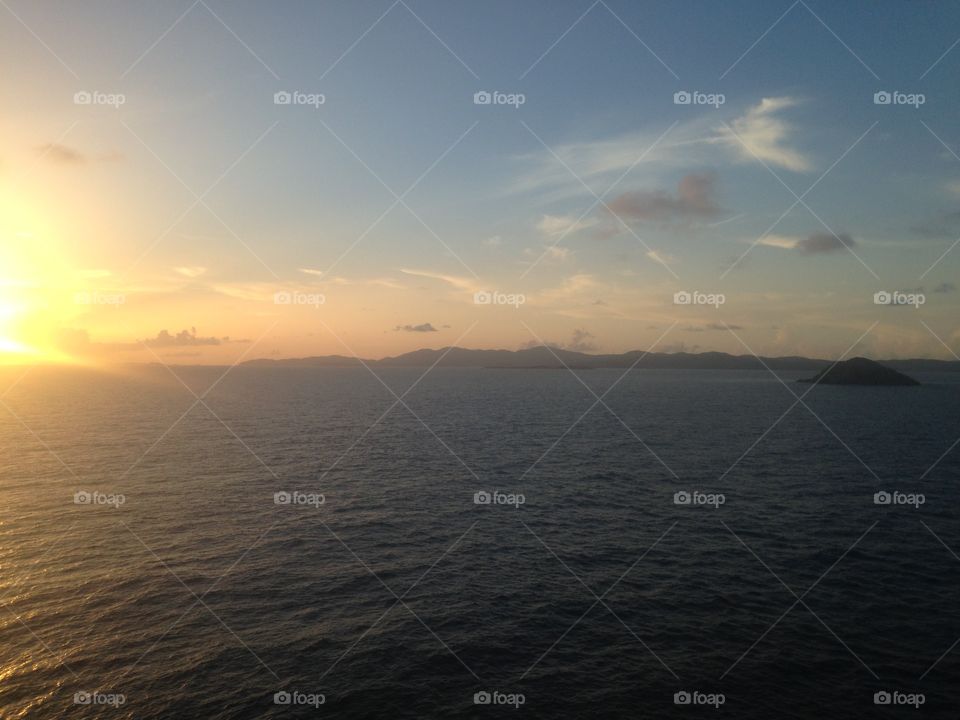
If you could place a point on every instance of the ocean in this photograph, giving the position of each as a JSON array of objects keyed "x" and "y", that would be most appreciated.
[{"x": 284, "y": 542}]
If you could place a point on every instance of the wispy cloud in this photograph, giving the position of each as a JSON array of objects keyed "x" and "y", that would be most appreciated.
[
  {"x": 66, "y": 155},
  {"x": 762, "y": 134},
  {"x": 62, "y": 154},
  {"x": 561, "y": 225},
  {"x": 598, "y": 162},
  {"x": 192, "y": 271},
  {"x": 815, "y": 244},
  {"x": 459, "y": 282}
]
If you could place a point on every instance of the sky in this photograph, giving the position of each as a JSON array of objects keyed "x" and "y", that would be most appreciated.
[{"x": 211, "y": 181}]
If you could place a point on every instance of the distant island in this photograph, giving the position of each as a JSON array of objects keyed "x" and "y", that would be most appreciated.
[
  {"x": 859, "y": 371},
  {"x": 542, "y": 357}
]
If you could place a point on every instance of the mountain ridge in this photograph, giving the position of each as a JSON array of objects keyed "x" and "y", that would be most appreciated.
[{"x": 542, "y": 357}]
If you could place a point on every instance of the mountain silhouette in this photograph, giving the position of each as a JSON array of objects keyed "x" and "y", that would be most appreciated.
[
  {"x": 556, "y": 358},
  {"x": 860, "y": 371}
]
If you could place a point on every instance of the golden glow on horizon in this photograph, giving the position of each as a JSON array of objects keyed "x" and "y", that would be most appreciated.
[{"x": 28, "y": 257}]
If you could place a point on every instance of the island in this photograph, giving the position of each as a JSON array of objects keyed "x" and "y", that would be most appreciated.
[{"x": 859, "y": 371}]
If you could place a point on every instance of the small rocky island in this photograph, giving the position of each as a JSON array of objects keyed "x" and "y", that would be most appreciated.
[{"x": 860, "y": 371}]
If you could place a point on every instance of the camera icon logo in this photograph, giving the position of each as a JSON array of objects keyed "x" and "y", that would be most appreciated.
[
  {"x": 482, "y": 297},
  {"x": 82, "y": 98},
  {"x": 282, "y": 498},
  {"x": 282, "y": 98},
  {"x": 282, "y": 298},
  {"x": 482, "y": 98},
  {"x": 682, "y": 698},
  {"x": 82, "y": 698},
  {"x": 882, "y": 97},
  {"x": 681, "y": 498},
  {"x": 882, "y": 698},
  {"x": 82, "y": 497},
  {"x": 482, "y": 498},
  {"x": 882, "y": 498},
  {"x": 482, "y": 698},
  {"x": 282, "y": 698},
  {"x": 682, "y": 298},
  {"x": 882, "y": 298},
  {"x": 682, "y": 98}
]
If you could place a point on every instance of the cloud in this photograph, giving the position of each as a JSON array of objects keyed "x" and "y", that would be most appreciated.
[
  {"x": 425, "y": 327},
  {"x": 695, "y": 143},
  {"x": 460, "y": 283},
  {"x": 65, "y": 155},
  {"x": 560, "y": 225},
  {"x": 61, "y": 154},
  {"x": 781, "y": 241},
  {"x": 711, "y": 326},
  {"x": 945, "y": 225},
  {"x": 694, "y": 200},
  {"x": 183, "y": 338},
  {"x": 661, "y": 257},
  {"x": 824, "y": 243},
  {"x": 760, "y": 134},
  {"x": 582, "y": 341},
  {"x": 816, "y": 244},
  {"x": 311, "y": 271},
  {"x": 944, "y": 288},
  {"x": 193, "y": 271}
]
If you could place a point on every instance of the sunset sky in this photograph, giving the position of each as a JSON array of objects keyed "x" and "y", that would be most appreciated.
[{"x": 174, "y": 214}]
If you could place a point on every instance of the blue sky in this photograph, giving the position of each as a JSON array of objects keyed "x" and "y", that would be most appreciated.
[{"x": 508, "y": 197}]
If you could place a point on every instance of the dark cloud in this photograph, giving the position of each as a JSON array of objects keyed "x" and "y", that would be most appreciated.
[
  {"x": 944, "y": 288},
  {"x": 184, "y": 338},
  {"x": 694, "y": 200},
  {"x": 824, "y": 243},
  {"x": 425, "y": 327}
]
